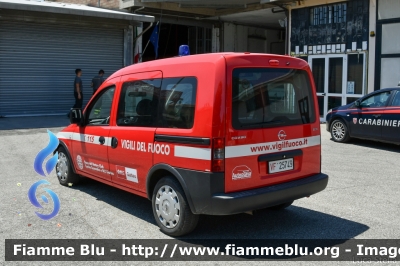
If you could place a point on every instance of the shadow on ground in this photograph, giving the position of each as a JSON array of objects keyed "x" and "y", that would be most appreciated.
[
  {"x": 373, "y": 144},
  {"x": 10, "y": 123},
  {"x": 291, "y": 223}
]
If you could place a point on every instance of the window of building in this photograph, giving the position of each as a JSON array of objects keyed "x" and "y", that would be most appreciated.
[
  {"x": 355, "y": 72},
  {"x": 328, "y": 14},
  {"x": 200, "y": 40}
]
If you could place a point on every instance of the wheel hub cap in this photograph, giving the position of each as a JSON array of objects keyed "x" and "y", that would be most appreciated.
[
  {"x": 167, "y": 206},
  {"x": 62, "y": 166},
  {"x": 338, "y": 130}
]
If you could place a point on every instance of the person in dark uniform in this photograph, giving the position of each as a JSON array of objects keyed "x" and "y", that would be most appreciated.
[
  {"x": 97, "y": 81},
  {"x": 78, "y": 93}
]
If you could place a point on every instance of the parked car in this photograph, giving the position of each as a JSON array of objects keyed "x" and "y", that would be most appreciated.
[
  {"x": 375, "y": 116},
  {"x": 215, "y": 134}
]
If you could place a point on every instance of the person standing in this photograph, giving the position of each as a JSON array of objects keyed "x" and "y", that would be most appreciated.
[
  {"x": 97, "y": 81},
  {"x": 78, "y": 92}
]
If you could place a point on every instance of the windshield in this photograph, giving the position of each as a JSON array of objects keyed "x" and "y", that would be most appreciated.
[{"x": 266, "y": 97}]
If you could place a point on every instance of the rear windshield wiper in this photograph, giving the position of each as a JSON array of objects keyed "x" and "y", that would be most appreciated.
[{"x": 263, "y": 123}]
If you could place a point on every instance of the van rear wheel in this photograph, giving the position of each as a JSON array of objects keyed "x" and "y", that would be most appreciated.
[{"x": 171, "y": 209}]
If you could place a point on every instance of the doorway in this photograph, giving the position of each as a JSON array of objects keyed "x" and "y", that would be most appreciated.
[{"x": 339, "y": 79}]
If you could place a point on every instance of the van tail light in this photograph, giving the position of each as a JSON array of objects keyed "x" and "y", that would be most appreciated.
[
  {"x": 273, "y": 62},
  {"x": 218, "y": 155}
]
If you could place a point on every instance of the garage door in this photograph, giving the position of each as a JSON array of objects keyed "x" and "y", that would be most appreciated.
[{"x": 38, "y": 62}]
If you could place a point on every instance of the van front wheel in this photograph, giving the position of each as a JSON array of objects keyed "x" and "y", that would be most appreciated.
[
  {"x": 64, "y": 171},
  {"x": 171, "y": 209}
]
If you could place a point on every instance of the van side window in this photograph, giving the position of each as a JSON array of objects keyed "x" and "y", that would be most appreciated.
[
  {"x": 100, "y": 108},
  {"x": 138, "y": 103},
  {"x": 267, "y": 97},
  {"x": 177, "y": 102}
]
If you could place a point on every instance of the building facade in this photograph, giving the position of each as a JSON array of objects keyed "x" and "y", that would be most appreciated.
[
  {"x": 387, "y": 57},
  {"x": 351, "y": 46},
  {"x": 110, "y": 4},
  {"x": 334, "y": 39},
  {"x": 212, "y": 26},
  {"x": 41, "y": 45}
]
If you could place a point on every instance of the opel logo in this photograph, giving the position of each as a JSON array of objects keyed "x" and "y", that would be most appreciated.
[{"x": 281, "y": 135}]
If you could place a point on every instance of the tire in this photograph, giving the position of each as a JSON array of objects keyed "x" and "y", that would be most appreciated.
[
  {"x": 281, "y": 206},
  {"x": 176, "y": 220},
  {"x": 64, "y": 170},
  {"x": 339, "y": 131}
]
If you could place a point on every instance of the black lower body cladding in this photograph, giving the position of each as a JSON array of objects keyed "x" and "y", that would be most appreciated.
[{"x": 205, "y": 192}]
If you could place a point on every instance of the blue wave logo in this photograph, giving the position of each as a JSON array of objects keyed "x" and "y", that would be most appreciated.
[
  {"x": 35, "y": 202},
  {"x": 51, "y": 163}
]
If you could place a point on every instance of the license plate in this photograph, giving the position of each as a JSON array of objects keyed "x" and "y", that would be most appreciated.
[{"x": 280, "y": 165}]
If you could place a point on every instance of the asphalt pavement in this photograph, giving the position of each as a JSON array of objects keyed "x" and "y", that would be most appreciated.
[{"x": 361, "y": 201}]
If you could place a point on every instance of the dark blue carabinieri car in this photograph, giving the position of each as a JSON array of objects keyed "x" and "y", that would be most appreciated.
[{"x": 375, "y": 116}]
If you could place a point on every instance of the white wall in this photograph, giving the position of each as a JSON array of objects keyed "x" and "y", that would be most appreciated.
[
  {"x": 229, "y": 37},
  {"x": 275, "y": 41},
  {"x": 241, "y": 38},
  {"x": 215, "y": 40},
  {"x": 390, "y": 66},
  {"x": 256, "y": 40},
  {"x": 236, "y": 39},
  {"x": 389, "y": 9}
]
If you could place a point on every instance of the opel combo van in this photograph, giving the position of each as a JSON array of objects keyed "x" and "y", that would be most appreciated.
[{"x": 214, "y": 134}]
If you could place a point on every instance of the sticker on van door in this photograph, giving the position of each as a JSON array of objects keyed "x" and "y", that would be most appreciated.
[
  {"x": 127, "y": 173},
  {"x": 241, "y": 172}
]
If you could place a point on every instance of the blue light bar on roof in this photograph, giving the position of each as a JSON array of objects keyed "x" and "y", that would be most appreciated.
[{"x": 184, "y": 50}]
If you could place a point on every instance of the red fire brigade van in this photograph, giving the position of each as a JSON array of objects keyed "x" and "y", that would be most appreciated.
[{"x": 215, "y": 134}]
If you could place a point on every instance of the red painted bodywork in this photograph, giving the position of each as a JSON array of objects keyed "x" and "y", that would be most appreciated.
[{"x": 211, "y": 120}]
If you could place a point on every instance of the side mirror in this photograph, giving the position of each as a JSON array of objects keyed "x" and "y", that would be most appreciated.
[
  {"x": 75, "y": 116},
  {"x": 357, "y": 104}
]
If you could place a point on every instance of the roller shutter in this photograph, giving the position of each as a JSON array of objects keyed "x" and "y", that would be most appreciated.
[{"x": 38, "y": 62}]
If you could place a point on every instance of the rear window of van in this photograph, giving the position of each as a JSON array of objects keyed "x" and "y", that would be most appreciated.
[{"x": 267, "y": 97}]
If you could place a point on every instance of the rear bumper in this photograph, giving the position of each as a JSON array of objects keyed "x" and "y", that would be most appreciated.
[
  {"x": 205, "y": 199},
  {"x": 268, "y": 196}
]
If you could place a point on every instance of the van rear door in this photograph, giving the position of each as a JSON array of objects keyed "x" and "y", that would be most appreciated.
[{"x": 273, "y": 131}]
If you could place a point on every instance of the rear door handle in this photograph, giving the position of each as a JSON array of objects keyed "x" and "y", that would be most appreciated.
[
  {"x": 376, "y": 116},
  {"x": 102, "y": 140},
  {"x": 114, "y": 142}
]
